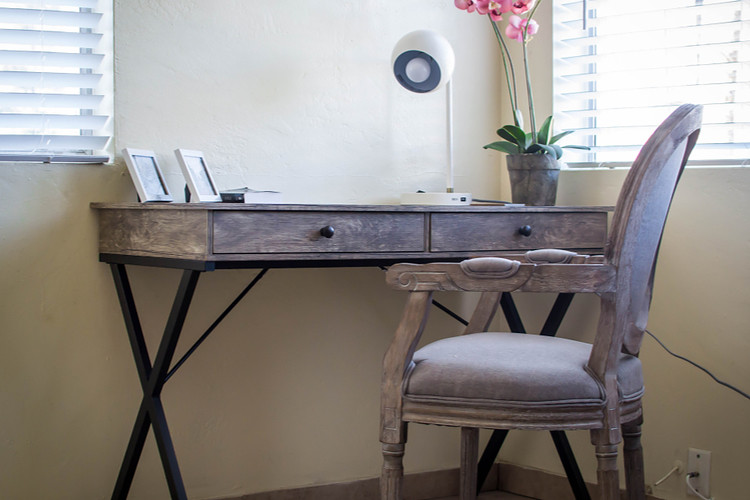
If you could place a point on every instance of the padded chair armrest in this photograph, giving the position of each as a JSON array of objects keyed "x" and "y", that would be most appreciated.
[
  {"x": 557, "y": 256},
  {"x": 494, "y": 274},
  {"x": 553, "y": 256}
]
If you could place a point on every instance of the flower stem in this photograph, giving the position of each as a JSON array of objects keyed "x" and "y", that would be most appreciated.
[
  {"x": 528, "y": 91},
  {"x": 510, "y": 73},
  {"x": 525, "y": 34}
]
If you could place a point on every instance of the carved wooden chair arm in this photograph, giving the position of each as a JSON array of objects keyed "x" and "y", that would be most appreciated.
[{"x": 556, "y": 271}]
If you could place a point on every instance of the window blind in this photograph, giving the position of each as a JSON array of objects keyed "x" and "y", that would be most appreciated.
[
  {"x": 55, "y": 89},
  {"x": 627, "y": 65}
]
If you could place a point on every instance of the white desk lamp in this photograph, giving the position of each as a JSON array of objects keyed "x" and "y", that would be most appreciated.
[{"x": 423, "y": 62}]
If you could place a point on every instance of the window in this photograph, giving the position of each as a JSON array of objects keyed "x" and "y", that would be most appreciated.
[
  {"x": 55, "y": 80},
  {"x": 620, "y": 72}
]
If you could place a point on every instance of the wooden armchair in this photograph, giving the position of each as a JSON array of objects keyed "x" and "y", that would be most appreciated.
[{"x": 499, "y": 380}]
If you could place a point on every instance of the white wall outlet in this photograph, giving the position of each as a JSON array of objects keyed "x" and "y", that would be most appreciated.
[{"x": 699, "y": 461}]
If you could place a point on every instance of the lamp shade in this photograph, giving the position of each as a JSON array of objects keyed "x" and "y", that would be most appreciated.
[{"x": 423, "y": 61}]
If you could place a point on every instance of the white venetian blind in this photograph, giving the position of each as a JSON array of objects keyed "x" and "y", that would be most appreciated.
[
  {"x": 54, "y": 102},
  {"x": 619, "y": 75}
]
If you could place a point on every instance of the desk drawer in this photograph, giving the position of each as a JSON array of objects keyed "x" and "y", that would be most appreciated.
[
  {"x": 457, "y": 232},
  {"x": 300, "y": 232}
]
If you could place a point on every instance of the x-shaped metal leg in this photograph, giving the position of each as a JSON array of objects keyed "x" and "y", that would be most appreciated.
[{"x": 151, "y": 411}]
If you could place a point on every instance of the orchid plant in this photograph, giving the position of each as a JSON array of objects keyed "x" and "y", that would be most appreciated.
[{"x": 521, "y": 27}]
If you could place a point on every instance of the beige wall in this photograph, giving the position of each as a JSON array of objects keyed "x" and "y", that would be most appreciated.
[{"x": 296, "y": 96}]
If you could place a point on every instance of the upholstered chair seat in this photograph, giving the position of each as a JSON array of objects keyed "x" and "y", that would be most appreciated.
[{"x": 498, "y": 370}]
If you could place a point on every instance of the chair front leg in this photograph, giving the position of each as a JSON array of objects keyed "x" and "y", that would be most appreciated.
[{"x": 392, "y": 476}]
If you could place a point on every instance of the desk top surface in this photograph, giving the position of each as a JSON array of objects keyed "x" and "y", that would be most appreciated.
[{"x": 269, "y": 207}]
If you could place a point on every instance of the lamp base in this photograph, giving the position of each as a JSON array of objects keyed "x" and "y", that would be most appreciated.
[{"x": 436, "y": 199}]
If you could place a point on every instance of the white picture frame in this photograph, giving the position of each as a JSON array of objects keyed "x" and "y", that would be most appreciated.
[
  {"x": 146, "y": 174},
  {"x": 199, "y": 179}
]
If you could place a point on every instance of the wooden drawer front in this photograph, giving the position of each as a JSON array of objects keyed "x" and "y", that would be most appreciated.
[
  {"x": 295, "y": 232},
  {"x": 455, "y": 232},
  {"x": 175, "y": 233}
]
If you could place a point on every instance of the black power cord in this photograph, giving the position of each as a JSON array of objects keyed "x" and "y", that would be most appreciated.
[{"x": 683, "y": 358}]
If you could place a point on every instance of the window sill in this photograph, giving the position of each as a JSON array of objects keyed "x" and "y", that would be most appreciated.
[
  {"x": 576, "y": 166},
  {"x": 77, "y": 159}
]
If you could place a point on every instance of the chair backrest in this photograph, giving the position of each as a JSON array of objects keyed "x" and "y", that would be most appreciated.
[{"x": 639, "y": 219}]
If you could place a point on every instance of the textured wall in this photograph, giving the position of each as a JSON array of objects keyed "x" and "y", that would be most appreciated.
[{"x": 298, "y": 96}]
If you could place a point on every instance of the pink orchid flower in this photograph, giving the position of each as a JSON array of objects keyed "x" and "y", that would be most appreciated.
[
  {"x": 467, "y": 5},
  {"x": 521, "y": 6},
  {"x": 517, "y": 26},
  {"x": 495, "y": 9}
]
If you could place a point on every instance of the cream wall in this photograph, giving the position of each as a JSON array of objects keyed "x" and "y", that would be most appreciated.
[{"x": 297, "y": 96}]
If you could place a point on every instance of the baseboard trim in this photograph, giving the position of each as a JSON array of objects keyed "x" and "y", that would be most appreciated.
[
  {"x": 524, "y": 481},
  {"x": 417, "y": 486},
  {"x": 541, "y": 484}
]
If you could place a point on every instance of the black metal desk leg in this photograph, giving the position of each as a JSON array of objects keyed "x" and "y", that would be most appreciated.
[
  {"x": 489, "y": 455},
  {"x": 556, "y": 314},
  {"x": 508, "y": 305},
  {"x": 151, "y": 412},
  {"x": 570, "y": 465}
]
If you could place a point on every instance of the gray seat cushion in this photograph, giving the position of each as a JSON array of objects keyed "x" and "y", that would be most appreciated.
[{"x": 513, "y": 368}]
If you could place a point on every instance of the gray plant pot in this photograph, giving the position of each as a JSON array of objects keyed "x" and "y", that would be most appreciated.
[{"x": 533, "y": 179}]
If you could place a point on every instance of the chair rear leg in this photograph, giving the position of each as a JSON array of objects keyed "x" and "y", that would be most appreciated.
[
  {"x": 633, "y": 454},
  {"x": 392, "y": 476},
  {"x": 469, "y": 460}
]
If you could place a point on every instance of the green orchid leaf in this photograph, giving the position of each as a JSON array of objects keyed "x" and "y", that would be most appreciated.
[
  {"x": 543, "y": 135},
  {"x": 504, "y": 147},
  {"x": 518, "y": 117},
  {"x": 558, "y": 151},
  {"x": 513, "y": 134},
  {"x": 575, "y": 146},
  {"x": 504, "y": 134},
  {"x": 560, "y": 136}
]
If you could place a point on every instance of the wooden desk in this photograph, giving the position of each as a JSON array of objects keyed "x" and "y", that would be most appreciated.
[
  {"x": 206, "y": 237},
  {"x": 217, "y": 236}
]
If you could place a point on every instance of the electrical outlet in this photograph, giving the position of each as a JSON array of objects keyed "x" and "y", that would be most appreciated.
[{"x": 699, "y": 461}]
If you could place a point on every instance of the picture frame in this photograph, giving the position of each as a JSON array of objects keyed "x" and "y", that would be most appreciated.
[
  {"x": 199, "y": 179},
  {"x": 146, "y": 174}
]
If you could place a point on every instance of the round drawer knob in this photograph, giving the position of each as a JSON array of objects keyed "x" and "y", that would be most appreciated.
[
  {"x": 525, "y": 230},
  {"x": 327, "y": 232}
]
